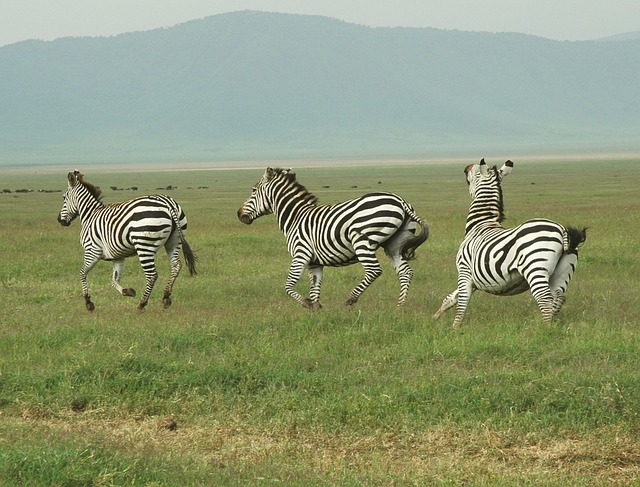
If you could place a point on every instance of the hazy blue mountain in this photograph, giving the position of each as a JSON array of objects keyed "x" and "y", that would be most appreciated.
[
  {"x": 626, "y": 36},
  {"x": 265, "y": 85}
]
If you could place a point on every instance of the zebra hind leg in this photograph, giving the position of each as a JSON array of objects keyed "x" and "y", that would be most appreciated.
[
  {"x": 147, "y": 261},
  {"x": 394, "y": 248},
  {"x": 118, "y": 270},
  {"x": 151, "y": 278},
  {"x": 559, "y": 281},
  {"x": 366, "y": 254},
  {"x": 405, "y": 275},
  {"x": 541, "y": 291},
  {"x": 174, "y": 258}
]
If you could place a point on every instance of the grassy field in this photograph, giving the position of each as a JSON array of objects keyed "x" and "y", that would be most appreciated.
[{"x": 236, "y": 384}]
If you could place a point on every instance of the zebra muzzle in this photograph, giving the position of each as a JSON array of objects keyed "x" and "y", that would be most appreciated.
[
  {"x": 62, "y": 222},
  {"x": 244, "y": 218}
]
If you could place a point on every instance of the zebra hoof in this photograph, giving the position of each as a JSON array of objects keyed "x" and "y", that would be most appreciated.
[
  {"x": 129, "y": 292},
  {"x": 350, "y": 302},
  {"x": 90, "y": 306},
  {"x": 166, "y": 302}
]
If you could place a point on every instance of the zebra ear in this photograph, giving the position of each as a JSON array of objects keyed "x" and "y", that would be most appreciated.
[
  {"x": 483, "y": 167},
  {"x": 506, "y": 168}
]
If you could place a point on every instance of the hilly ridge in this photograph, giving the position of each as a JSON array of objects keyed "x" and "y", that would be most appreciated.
[{"x": 255, "y": 84}]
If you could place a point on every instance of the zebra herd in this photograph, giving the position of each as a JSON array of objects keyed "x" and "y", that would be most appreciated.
[{"x": 540, "y": 255}]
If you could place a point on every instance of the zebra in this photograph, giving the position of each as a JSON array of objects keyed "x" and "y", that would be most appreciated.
[
  {"x": 337, "y": 235},
  {"x": 114, "y": 232},
  {"x": 540, "y": 255}
]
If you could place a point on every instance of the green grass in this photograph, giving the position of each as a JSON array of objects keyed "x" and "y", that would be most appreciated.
[{"x": 264, "y": 391}]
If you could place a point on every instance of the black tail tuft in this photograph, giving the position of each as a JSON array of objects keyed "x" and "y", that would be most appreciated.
[
  {"x": 189, "y": 257},
  {"x": 576, "y": 238}
]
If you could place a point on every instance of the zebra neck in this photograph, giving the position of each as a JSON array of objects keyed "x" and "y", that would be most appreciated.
[
  {"x": 484, "y": 212},
  {"x": 287, "y": 210},
  {"x": 88, "y": 207}
]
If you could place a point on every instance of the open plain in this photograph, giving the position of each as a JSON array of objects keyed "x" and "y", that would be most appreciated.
[{"x": 235, "y": 384}]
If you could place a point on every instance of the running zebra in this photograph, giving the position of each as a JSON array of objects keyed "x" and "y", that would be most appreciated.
[
  {"x": 114, "y": 232},
  {"x": 539, "y": 255},
  {"x": 337, "y": 235}
]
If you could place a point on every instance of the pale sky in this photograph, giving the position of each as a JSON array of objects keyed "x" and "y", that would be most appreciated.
[{"x": 553, "y": 19}]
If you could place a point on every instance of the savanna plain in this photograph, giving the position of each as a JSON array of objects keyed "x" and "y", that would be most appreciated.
[{"x": 236, "y": 384}]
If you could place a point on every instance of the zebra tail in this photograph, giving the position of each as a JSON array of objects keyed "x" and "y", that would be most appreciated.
[
  {"x": 408, "y": 250},
  {"x": 189, "y": 255},
  {"x": 574, "y": 238}
]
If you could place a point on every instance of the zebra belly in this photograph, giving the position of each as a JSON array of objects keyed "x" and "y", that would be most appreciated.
[
  {"x": 111, "y": 252},
  {"x": 342, "y": 258},
  {"x": 149, "y": 240},
  {"x": 334, "y": 263},
  {"x": 512, "y": 284}
]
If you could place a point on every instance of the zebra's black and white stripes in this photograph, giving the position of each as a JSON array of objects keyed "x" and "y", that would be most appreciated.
[
  {"x": 114, "y": 232},
  {"x": 540, "y": 255},
  {"x": 337, "y": 235}
]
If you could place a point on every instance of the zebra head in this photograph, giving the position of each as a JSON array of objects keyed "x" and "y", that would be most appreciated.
[
  {"x": 481, "y": 175},
  {"x": 70, "y": 209},
  {"x": 261, "y": 200}
]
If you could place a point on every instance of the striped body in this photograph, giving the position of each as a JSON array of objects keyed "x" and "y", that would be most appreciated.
[
  {"x": 140, "y": 226},
  {"x": 539, "y": 255},
  {"x": 337, "y": 235},
  {"x": 499, "y": 258}
]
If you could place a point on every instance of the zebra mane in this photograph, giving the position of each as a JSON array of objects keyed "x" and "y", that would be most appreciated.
[
  {"x": 488, "y": 203},
  {"x": 93, "y": 190},
  {"x": 501, "y": 215},
  {"x": 290, "y": 177}
]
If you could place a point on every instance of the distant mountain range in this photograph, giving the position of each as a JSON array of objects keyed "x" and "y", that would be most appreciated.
[{"x": 256, "y": 85}]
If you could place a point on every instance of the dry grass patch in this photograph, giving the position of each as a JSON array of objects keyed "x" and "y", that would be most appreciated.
[{"x": 439, "y": 454}]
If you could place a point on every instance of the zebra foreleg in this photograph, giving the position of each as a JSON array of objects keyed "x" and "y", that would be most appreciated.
[
  {"x": 459, "y": 298},
  {"x": 315, "y": 275},
  {"x": 295, "y": 273},
  {"x": 118, "y": 270},
  {"x": 372, "y": 270},
  {"x": 89, "y": 261},
  {"x": 448, "y": 303},
  {"x": 465, "y": 290}
]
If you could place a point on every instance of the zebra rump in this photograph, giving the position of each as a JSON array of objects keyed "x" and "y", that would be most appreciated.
[{"x": 409, "y": 247}]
